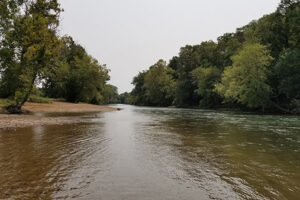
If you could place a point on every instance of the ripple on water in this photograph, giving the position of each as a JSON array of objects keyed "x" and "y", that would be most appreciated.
[{"x": 154, "y": 153}]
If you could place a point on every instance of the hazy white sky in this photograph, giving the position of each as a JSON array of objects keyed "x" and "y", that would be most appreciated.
[{"x": 131, "y": 35}]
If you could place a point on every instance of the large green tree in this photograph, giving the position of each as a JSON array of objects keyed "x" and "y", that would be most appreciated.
[
  {"x": 246, "y": 80},
  {"x": 28, "y": 45},
  {"x": 159, "y": 84},
  {"x": 77, "y": 77},
  {"x": 191, "y": 57},
  {"x": 86, "y": 81}
]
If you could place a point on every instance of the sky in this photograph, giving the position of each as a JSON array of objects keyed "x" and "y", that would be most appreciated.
[{"x": 131, "y": 35}]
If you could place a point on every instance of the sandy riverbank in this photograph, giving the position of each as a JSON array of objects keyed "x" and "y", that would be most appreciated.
[
  {"x": 16, "y": 121},
  {"x": 64, "y": 107}
]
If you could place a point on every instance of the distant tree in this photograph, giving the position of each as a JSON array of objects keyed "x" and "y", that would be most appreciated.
[
  {"x": 138, "y": 94},
  {"x": 246, "y": 80},
  {"x": 110, "y": 94},
  {"x": 159, "y": 84},
  {"x": 124, "y": 98},
  {"x": 86, "y": 81}
]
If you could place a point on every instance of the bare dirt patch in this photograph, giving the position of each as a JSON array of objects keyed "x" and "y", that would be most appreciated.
[
  {"x": 64, "y": 107},
  {"x": 8, "y": 121}
]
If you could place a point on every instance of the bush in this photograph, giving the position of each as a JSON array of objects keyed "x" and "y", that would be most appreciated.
[{"x": 5, "y": 102}]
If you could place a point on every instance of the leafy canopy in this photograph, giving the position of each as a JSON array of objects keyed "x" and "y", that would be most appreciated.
[{"x": 246, "y": 80}]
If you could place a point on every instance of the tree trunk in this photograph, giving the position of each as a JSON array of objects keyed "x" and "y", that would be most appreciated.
[
  {"x": 29, "y": 91},
  {"x": 17, "y": 109}
]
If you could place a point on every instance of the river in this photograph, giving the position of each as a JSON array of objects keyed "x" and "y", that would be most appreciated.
[{"x": 154, "y": 154}]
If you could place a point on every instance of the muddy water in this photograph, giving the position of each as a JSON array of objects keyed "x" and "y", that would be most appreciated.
[{"x": 154, "y": 153}]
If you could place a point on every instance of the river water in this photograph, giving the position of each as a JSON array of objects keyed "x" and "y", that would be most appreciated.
[{"x": 154, "y": 153}]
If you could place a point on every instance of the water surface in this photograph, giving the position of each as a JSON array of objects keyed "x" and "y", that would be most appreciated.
[{"x": 154, "y": 153}]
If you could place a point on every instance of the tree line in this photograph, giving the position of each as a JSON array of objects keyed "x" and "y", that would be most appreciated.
[
  {"x": 255, "y": 68},
  {"x": 33, "y": 54}
]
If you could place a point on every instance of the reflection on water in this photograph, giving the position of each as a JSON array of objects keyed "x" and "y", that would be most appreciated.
[{"x": 154, "y": 153}]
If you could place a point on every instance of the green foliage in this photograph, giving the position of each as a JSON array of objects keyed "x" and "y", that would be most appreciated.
[
  {"x": 18, "y": 97},
  {"x": 190, "y": 57},
  {"x": 288, "y": 73},
  {"x": 86, "y": 80},
  {"x": 124, "y": 98},
  {"x": 263, "y": 59},
  {"x": 246, "y": 81},
  {"x": 138, "y": 94},
  {"x": 31, "y": 52},
  {"x": 154, "y": 87},
  {"x": 292, "y": 18},
  {"x": 228, "y": 45},
  {"x": 28, "y": 44},
  {"x": 271, "y": 31},
  {"x": 159, "y": 84},
  {"x": 39, "y": 99},
  {"x": 206, "y": 78},
  {"x": 110, "y": 94},
  {"x": 184, "y": 92},
  {"x": 5, "y": 103},
  {"x": 78, "y": 77}
]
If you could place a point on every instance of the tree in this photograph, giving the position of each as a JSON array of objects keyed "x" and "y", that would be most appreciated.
[
  {"x": 77, "y": 77},
  {"x": 124, "y": 98},
  {"x": 28, "y": 44},
  {"x": 86, "y": 81},
  {"x": 228, "y": 45},
  {"x": 138, "y": 94},
  {"x": 287, "y": 4},
  {"x": 206, "y": 78},
  {"x": 190, "y": 57},
  {"x": 292, "y": 18},
  {"x": 288, "y": 73},
  {"x": 270, "y": 31},
  {"x": 110, "y": 94},
  {"x": 159, "y": 84},
  {"x": 246, "y": 80}
]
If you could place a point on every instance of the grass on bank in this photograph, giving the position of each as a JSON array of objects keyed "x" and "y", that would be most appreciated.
[
  {"x": 5, "y": 103},
  {"x": 39, "y": 99},
  {"x": 33, "y": 98}
]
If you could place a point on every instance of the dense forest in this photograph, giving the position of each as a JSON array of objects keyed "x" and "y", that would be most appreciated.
[
  {"x": 35, "y": 59},
  {"x": 256, "y": 68}
]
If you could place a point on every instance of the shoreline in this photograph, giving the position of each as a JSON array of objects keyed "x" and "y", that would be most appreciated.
[
  {"x": 64, "y": 107},
  {"x": 9, "y": 121}
]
